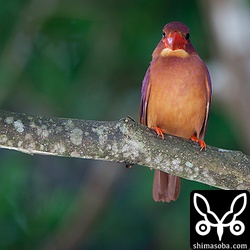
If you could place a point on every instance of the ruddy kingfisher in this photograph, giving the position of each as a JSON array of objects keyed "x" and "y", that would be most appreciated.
[{"x": 175, "y": 98}]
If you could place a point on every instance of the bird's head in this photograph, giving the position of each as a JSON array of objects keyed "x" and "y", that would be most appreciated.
[{"x": 175, "y": 41}]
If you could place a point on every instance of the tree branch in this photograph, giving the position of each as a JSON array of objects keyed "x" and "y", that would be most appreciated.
[{"x": 124, "y": 141}]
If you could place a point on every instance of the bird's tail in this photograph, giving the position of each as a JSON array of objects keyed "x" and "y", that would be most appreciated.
[{"x": 166, "y": 187}]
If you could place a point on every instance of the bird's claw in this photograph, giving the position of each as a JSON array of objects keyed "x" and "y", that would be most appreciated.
[
  {"x": 201, "y": 142},
  {"x": 159, "y": 131}
]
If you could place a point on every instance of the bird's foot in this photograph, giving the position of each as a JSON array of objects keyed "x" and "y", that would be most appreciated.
[
  {"x": 201, "y": 142},
  {"x": 159, "y": 131}
]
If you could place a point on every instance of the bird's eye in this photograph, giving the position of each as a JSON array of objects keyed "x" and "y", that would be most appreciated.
[
  {"x": 187, "y": 36},
  {"x": 163, "y": 34}
]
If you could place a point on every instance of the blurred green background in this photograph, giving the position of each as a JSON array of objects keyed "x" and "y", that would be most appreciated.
[{"x": 86, "y": 59}]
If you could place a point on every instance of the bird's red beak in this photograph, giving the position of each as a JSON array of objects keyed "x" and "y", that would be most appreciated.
[{"x": 175, "y": 41}]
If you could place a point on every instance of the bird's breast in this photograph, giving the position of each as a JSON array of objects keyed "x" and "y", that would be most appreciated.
[{"x": 177, "y": 101}]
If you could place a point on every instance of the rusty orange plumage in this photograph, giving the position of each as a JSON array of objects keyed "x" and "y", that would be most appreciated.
[{"x": 175, "y": 98}]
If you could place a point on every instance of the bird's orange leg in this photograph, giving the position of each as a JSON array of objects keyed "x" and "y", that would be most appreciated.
[
  {"x": 159, "y": 131},
  {"x": 201, "y": 142}
]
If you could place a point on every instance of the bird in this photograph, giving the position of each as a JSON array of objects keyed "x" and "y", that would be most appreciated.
[{"x": 175, "y": 98}]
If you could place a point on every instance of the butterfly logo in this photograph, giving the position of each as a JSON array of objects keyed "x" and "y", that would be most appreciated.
[{"x": 210, "y": 219}]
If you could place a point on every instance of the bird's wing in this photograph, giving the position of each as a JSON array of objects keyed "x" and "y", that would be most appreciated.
[
  {"x": 209, "y": 94},
  {"x": 145, "y": 92}
]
